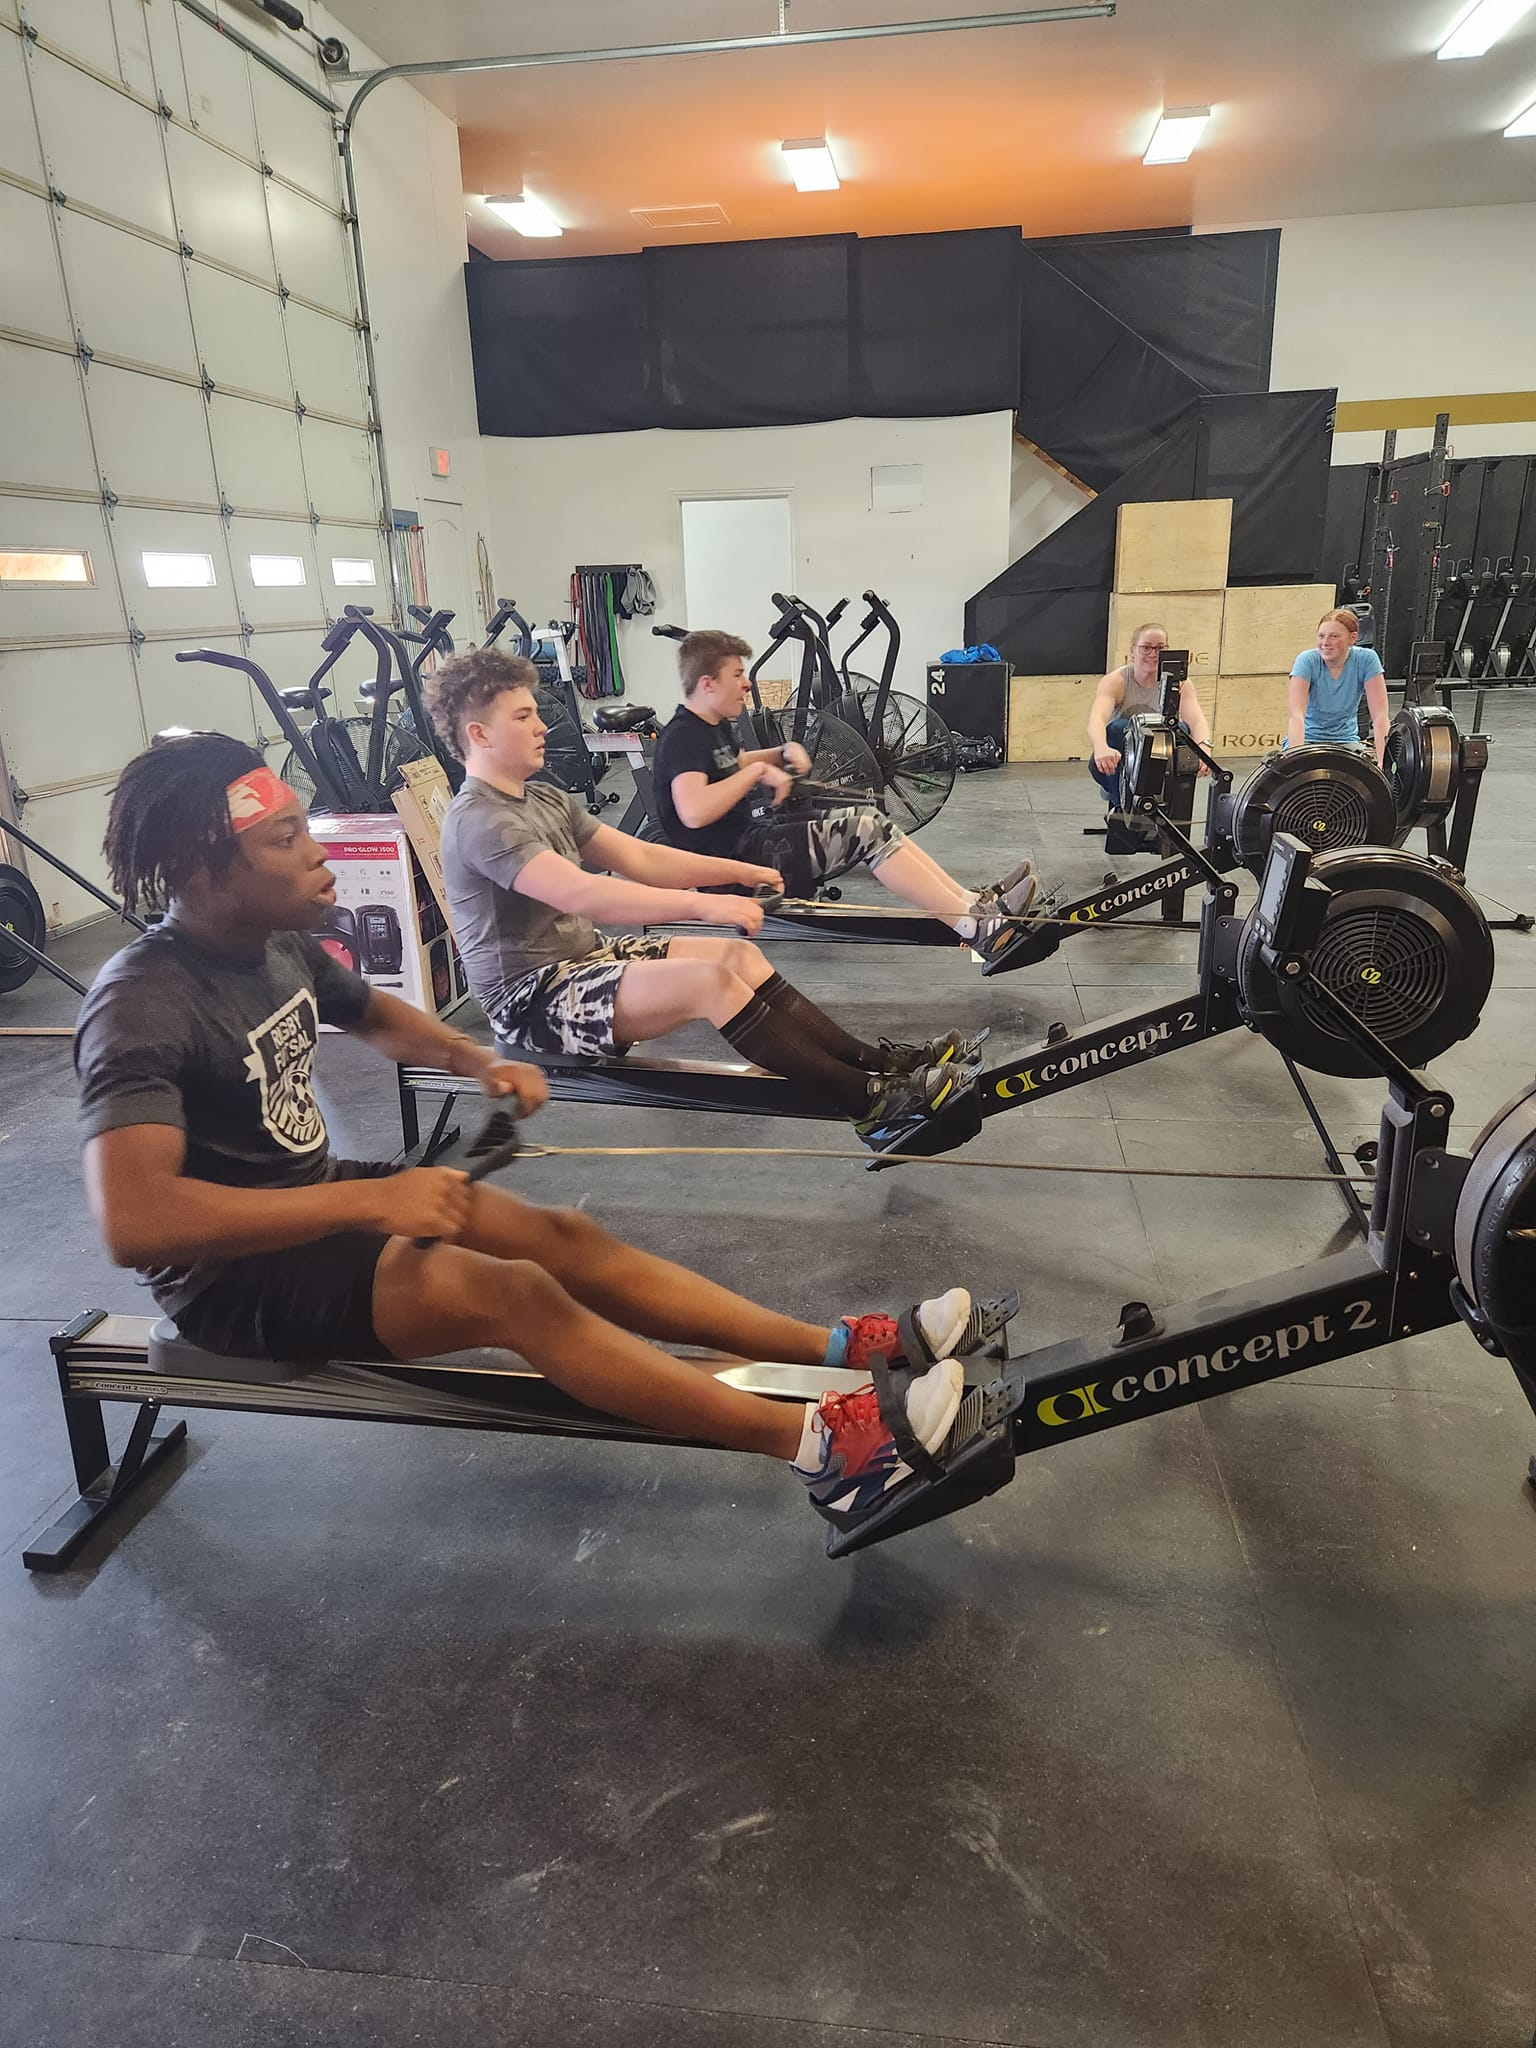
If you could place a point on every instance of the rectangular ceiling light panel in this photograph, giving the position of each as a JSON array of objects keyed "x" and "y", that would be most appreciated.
[
  {"x": 1174, "y": 138},
  {"x": 1481, "y": 26},
  {"x": 526, "y": 214},
  {"x": 811, "y": 166},
  {"x": 708, "y": 215}
]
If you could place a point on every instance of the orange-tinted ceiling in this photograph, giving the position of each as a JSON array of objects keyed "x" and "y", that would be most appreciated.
[{"x": 1321, "y": 106}]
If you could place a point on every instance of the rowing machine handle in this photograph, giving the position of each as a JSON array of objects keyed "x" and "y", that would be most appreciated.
[{"x": 496, "y": 1147}]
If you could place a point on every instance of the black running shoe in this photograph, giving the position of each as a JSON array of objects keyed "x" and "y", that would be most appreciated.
[
  {"x": 959, "y": 1048},
  {"x": 899, "y": 1101}
]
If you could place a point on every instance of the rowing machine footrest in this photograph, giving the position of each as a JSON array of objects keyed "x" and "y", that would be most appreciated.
[{"x": 976, "y": 1459}]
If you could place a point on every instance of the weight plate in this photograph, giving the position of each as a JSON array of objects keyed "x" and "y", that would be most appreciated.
[
  {"x": 1329, "y": 796},
  {"x": 21, "y": 911},
  {"x": 1422, "y": 764},
  {"x": 1402, "y": 944},
  {"x": 1498, "y": 1198}
]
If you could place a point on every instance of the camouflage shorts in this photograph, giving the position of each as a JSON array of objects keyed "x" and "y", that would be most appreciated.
[{"x": 567, "y": 1007}]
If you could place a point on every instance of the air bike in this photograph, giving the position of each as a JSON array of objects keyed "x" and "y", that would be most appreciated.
[{"x": 1450, "y": 1236}]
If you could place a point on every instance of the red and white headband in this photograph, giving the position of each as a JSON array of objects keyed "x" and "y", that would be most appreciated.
[{"x": 255, "y": 797}]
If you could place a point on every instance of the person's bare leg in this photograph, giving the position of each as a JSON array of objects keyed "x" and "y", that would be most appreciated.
[
  {"x": 909, "y": 873},
  {"x": 700, "y": 979},
  {"x": 635, "y": 1289},
  {"x": 448, "y": 1297}
]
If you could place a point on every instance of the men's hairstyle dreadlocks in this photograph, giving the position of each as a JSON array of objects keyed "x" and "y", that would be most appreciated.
[
  {"x": 469, "y": 684},
  {"x": 170, "y": 815}
]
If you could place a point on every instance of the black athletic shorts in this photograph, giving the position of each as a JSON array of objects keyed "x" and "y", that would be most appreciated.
[{"x": 309, "y": 1304}]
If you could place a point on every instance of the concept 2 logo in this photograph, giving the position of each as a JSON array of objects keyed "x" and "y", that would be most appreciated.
[
  {"x": 1267, "y": 1347},
  {"x": 1113, "y": 902},
  {"x": 1087, "y": 1059}
]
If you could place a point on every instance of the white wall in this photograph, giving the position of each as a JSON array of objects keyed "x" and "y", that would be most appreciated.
[
  {"x": 1406, "y": 305},
  {"x": 411, "y": 208},
  {"x": 615, "y": 498},
  {"x": 1042, "y": 499}
]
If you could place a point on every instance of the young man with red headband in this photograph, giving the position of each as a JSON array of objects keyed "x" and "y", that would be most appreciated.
[{"x": 208, "y": 1166}]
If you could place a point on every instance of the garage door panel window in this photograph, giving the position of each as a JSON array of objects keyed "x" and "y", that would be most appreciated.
[
  {"x": 46, "y": 609},
  {"x": 269, "y": 596},
  {"x": 174, "y": 602}
]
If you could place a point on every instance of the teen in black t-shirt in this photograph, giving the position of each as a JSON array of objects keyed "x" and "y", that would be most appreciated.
[
  {"x": 705, "y": 794},
  {"x": 208, "y": 1166}
]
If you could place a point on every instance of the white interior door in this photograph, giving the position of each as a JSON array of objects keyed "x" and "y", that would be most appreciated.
[
  {"x": 448, "y": 567},
  {"x": 736, "y": 553}
]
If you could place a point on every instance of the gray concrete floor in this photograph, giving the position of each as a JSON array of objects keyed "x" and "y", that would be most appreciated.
[{"x": 1219, "y": 1732}]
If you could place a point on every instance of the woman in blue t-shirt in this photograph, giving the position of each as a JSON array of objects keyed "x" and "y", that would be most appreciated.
[{"x": 1327, "y": 683}]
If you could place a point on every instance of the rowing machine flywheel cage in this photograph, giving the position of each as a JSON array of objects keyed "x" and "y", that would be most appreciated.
[
  {"x": 1146, "y": 760},
  {"x": 1495, "y": 1266},
  {"x": 1402, "y": 944},
  {"x": 1328, "y": 796},
  {"x": 1422, "y": 763}
]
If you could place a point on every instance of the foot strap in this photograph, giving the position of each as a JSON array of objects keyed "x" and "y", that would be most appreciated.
[{"x": 891, "y": 1383}]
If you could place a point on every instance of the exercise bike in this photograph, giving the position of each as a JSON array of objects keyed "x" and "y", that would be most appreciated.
[{"x": 1450, "y": 1236}]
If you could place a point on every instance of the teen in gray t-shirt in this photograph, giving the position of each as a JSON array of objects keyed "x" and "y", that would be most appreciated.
[{"x": 489, "y": 836}]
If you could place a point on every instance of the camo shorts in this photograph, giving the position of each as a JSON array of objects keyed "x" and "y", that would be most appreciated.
[
  {"x": 567, "y": 1007},
  {"x": 808, "y": 850}
]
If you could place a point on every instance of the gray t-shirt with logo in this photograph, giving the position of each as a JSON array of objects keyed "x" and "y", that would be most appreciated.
[
  {"x": 488, "y": 838},
  {"x": 221, "y": 1048}
]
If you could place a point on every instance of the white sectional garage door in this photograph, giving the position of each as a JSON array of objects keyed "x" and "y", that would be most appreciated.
[{"x": 181, "y": 376}]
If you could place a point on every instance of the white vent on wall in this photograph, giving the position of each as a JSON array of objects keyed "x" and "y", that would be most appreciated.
[{"x": 707, "y": 215}]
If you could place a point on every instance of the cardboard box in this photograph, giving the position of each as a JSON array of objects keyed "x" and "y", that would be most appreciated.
[
  {"x": 1191, "y": 619},
  {"x": 1048, "y": 717},
  {"x": 1250, "y": 715},
  {"x": 1177, "y": 544},
  {"x": 387, "y": 925},
  {"x": 423, "y": 803},
  {"x": 1266, "y": 628}
]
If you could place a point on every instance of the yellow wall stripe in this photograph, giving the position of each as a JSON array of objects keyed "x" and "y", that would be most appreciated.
[{"x": 1466, "y": 408}]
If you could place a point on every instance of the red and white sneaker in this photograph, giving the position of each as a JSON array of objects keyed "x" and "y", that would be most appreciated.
[{"x": 849, "y": 1460}]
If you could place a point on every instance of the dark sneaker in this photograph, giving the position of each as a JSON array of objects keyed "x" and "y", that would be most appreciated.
[
  {"x": 896, "y": 1057},
  {"x": 857, "y": 1462},
  {"x": 1014, "y": 893},
  {"x": 898, "y": 1101}
]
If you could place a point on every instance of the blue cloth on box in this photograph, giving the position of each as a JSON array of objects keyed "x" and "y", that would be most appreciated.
[{"x": 961, "y": 657}]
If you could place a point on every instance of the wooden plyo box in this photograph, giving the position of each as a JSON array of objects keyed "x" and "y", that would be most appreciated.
[
  {"x": 1249, "y": 715},
  {"x": 1048, "y": 717},
  {"x": 1266, "y": 628},
  {"x": 1191, "y": 618},
  {"x": 1178, "y": 544}
]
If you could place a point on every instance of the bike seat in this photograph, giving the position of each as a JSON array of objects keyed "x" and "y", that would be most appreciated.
[{"x": 302, "y": 700}]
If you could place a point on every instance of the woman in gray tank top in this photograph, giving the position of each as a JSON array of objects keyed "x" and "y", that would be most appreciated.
[{"x": 1127, "y": 690}]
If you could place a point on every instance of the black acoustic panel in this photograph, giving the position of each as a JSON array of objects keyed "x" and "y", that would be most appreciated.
[
  {"x": 1080, "y": 555},
  {"x": 1207, "y": 302},
  {"x": 936, "y": 324},
  {"x": 1092, "y": 393},
  {"x": 751, "y": 334},
  {"x": 1043, "y": 632},
  {"x": 560, "y": 346},
  {"x": 1269, "y": 453},
  {"x": 1347, "y": 519},
  {"x": 1498, "y": 514},
  {"x": 1463, "y": 503}
]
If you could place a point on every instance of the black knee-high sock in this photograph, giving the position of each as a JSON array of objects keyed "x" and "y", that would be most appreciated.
[
  {"x": 813, "y": 1023},
  {"x": 767, "y": 1038}
]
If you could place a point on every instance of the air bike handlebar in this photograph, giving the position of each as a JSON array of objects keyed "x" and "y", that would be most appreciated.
[{"x": 272, "y": 698}]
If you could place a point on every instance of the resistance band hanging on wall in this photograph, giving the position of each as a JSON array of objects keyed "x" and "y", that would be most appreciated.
[{"x": 600, "y": 597}]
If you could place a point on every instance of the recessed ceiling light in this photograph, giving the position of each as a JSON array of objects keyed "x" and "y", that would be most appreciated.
[
  {"x": 1523, "y": 124},
  {"x": 811, "y": 166},
  {"x": 1177, "y": 132},
  {"x": 526, "y": 214},
  {"x": 1481, "y": 25}
]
